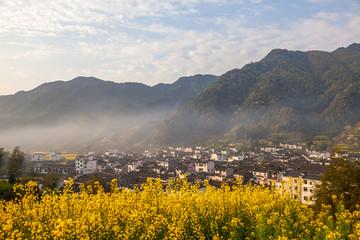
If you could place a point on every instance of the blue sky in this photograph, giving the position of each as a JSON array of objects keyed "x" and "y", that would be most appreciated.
[{"x": 152, "y": 41}]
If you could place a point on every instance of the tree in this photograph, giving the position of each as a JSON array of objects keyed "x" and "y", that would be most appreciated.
[
  {"x": 15, "y": 165},
  {"x": 95, "y": 178},
  {"x": 51, "y": 180},
  {"x": 1, "y": 156},
  {"x": 341, "y": 179}
]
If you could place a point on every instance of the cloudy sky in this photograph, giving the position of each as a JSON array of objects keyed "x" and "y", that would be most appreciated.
[{"x": 152, "y": 41}]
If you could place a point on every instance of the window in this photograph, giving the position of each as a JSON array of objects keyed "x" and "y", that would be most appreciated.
[
  {"x": 310, "y": 183},
  {"x": 305, "y": 198},
  {"x": 305, "y": 181},
  {"x": 305, "y": 189}
]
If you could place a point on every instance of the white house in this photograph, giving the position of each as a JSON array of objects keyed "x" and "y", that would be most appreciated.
[
  {"x": 112, "y": 153},
  {"x": 315, "y": 154},
  {"x": 208, "y": 167},
  {"x": 218, "y": 157},
  {"x": 308, "y": 187},
  {"x": 55, "y": 156},
  {"x": 188, "y": 150},
  {"x": 85, "y": 165},
  {"x": 167, "y": 164},
  {"x": 134, "y": 165},
  {"x": 38, "y": 158},
  {"x": 224, "y": 172},
  {"x": 236, "y": 158},
  {"x": 300, "y": 186}
]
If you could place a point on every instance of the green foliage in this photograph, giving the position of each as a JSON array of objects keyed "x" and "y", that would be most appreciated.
[
  {"x": 15, "y": 165},
  {"x": 51, "y": 180},
  {"x": 6, "y": 191},
  {"x": 93, "y": 183},
  {"x": 342, "y": 180},
  {"x": 349, "y": 139},
  {"x": 286, "y": 92}
]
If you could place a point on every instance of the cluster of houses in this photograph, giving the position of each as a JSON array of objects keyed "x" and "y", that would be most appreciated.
[{"x": 285, "y": 166}]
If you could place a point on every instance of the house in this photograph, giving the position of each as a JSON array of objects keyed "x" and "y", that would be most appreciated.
[
  {"x": 291, "y": 146},
  {"x": 310, "y": 181},
  {"x": 236, "y": 158},
  {"x": 38, "y": 157},
  {"x": 134, "y": 166},
  {"x": 112, "y": 153},
  {"x": 120, "y": 168},
  {"x": 224, "y": 172},
  {"x": 55, "y": 156},
  {"x": 101, "y": 165},
  {"x": 225, "y": 152},
  {"x": 315, "y": 154},
  {"x": 260, "y": 175},
  {"x": 299, "y": 185},
  {"x": 167, "y": 164},
  {"x": 218, "y": 157},
  {"x": 243, "y": 174},
  {"x": 205, "y": 166},
  {"x": 46, "y": 167},
  {"x": 180, "y": 170},
  {"x": 85, "y": 165},
  {"x": 188, "y": 150}
]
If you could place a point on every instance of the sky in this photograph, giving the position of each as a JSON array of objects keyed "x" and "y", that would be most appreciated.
[{"x": 153, "y": 41}]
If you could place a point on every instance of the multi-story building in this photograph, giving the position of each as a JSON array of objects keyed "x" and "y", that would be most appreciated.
[
  {"x": 299, "y": 185},
  {"x": 205, "y": 166},
  {"x": 85, "y": 165}
]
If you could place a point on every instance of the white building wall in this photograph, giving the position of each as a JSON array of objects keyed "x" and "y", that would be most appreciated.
[
  {"x": 208, "y": 167},
  {"x": 218, "y": 157},
  {"x": 55, "y": 156},
  {"x": 84, "y": 165},
  {"x": 38, "y": 158}
]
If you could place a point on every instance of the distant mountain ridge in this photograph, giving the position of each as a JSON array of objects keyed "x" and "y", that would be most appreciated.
[
  {"x": 291, "y": 96},
  {"x": 287, "y": 92},
  {"x": 86, "y": 100}
]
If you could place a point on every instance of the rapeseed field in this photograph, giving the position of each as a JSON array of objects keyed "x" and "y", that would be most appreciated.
[{"x": 180, "y": 211}]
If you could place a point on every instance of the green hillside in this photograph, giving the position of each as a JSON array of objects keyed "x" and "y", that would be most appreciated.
[{"x": 286, "y": 93}]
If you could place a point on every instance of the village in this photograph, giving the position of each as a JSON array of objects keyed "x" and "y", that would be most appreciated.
[{"x": 284, "y": 166}]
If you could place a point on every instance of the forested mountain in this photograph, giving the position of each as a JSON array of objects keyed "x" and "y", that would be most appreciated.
[
  {"x": 286, "y": 93},
  {"x": 286, "y": 96},
  {"x": 91, "y": 110}
]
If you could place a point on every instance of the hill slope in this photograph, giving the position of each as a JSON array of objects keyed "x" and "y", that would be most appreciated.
[{"x": 287, "y": 92}]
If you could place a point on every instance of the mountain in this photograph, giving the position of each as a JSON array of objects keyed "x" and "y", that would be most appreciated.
[
  {"x": 87, "y": 111},
  {"x": 288, "y": 94}
]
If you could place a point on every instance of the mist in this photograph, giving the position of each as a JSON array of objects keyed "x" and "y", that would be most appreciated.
[{"x": 82, "y": 133}]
